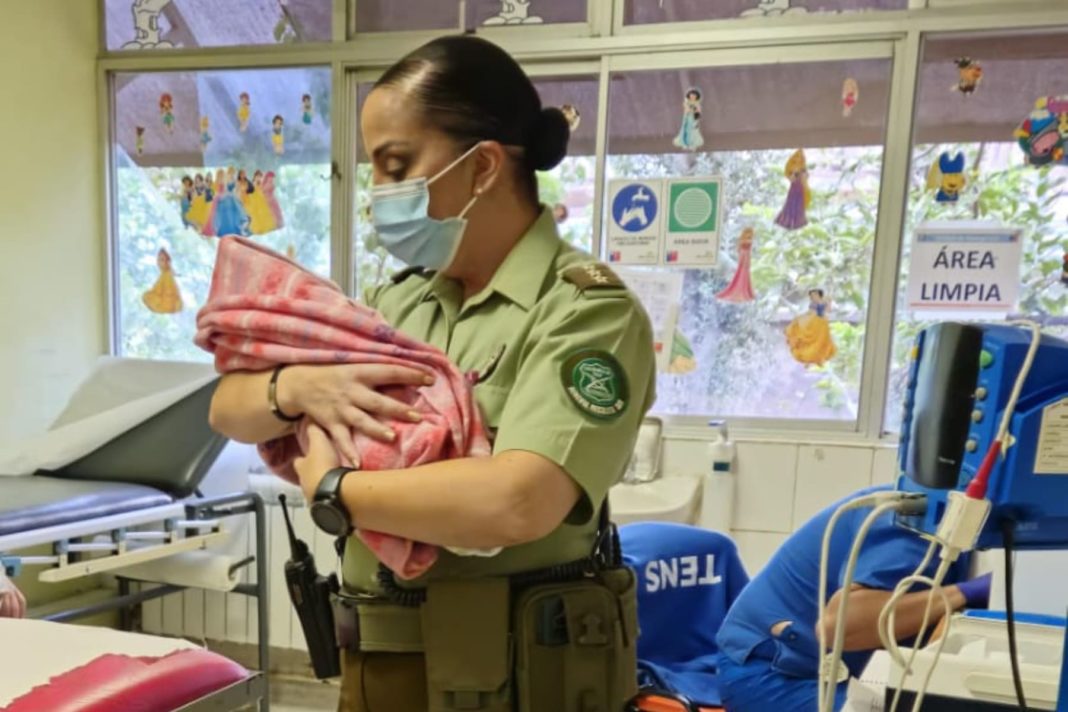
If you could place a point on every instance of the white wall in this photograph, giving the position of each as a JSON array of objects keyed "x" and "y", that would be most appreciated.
[
  {"x": 52, "y": 311},
  {"x": 780, "y": 485}
]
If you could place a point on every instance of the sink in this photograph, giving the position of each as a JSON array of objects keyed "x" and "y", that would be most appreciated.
[{"x": 668, "y": 499}]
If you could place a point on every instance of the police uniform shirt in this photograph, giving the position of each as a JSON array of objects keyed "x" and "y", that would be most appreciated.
[
  {"x": 566, "y": 365},
  {"x": 787, "y": 588}
]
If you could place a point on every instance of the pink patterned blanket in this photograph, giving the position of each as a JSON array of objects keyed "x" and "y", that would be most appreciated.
[{"x": 264, "y": 310}]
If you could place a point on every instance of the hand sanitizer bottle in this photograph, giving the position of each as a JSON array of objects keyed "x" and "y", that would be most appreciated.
[{"x": 717, "y": 483}]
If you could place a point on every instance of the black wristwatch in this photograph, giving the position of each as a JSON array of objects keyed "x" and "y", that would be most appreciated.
[{"x": 327, "y": 510}]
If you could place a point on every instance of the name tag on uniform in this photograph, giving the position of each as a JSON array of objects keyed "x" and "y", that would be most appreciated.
[{"x": 491, "y": 364}]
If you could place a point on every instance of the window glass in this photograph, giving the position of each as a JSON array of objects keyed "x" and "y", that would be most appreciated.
[
  {"x": 169, "y": 24},
  {"x": 567, "y": 189},
  {"x": 183, "y": 142},
  {"x": 979, "y": 123},
  {"x": 410, "y": 15},
  {"x": 644, "y": 12},
  {"x": 730, "y": 354}
]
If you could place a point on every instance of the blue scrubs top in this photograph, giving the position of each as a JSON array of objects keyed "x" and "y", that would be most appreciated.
[
  {"x": 688, "y": 578},
  {"x": 786, "y": 589}
]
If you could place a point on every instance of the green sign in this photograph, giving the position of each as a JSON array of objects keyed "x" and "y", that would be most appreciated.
[{"x": 694, "y": 207}]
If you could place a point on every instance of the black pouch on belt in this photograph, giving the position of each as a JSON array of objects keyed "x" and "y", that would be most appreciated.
[
  {"x": 467, "y": 645},
  {"x": 576, "y": 644}
]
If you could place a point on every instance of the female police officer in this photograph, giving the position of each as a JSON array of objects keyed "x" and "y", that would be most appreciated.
[{"x": 456, "y": 132}]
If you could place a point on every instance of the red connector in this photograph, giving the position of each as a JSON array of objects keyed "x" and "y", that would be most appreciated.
[{"x": 977, "y": 487}]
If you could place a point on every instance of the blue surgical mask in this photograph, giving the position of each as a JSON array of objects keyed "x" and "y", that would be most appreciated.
[{"x": 406, "y": 230}]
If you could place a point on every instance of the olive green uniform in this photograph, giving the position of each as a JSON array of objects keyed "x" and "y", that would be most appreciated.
[{"x": 566, "y": 365}]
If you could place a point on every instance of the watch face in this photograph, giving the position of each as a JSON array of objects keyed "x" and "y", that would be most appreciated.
[{"x": 329, "y": 519}]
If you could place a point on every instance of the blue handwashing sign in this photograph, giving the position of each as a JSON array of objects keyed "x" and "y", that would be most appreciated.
[{"x": 634, "y": 208}]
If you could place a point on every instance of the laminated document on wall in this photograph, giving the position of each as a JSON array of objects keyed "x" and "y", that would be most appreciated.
[{"x": 660, "y": 292}]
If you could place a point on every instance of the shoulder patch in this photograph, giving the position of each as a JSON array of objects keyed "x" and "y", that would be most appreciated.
[
  {"x": 406, "y": 273},
  {"x": 592, "y": 276},
  {"x": 596, "y": 383}
]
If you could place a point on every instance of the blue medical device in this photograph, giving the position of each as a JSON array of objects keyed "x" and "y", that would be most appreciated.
[{"x": 959, "y": 383}]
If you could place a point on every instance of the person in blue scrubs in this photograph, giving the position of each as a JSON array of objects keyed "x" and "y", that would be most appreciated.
[{"x": 769, "y": 642}]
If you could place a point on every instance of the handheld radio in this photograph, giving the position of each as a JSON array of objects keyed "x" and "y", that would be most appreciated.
[{"x": 311, "y": 594}]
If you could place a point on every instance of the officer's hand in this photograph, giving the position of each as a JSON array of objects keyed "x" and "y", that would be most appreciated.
[
  {"x": 12, "y": 602},
  {"x": 342, "y": 398},
  {"x": 320, "y": 458}
]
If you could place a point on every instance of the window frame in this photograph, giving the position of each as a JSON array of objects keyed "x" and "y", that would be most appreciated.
[{"x": 604, "y": 45}]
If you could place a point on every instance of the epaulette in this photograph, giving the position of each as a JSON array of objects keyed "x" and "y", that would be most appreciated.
[
  {"x": 592, "y": 276},
  {"x": 406, "y": 273}
]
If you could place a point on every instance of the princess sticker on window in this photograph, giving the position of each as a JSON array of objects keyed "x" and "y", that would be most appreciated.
[
  {"x": 740, "y": 290},
  {"x": 571, "y": 113},
  {"x": 200, "y": 203},
  {"x": 244, "y": 111},
  {"x": 164, "y": 297},
  {"x": 139, "y": 140},
  {"x": 306, "y": 109},
  {"x": 272, "y": 202},
  {"x": 689, "y": 137},
  {"x": 794, "y": 214},
  {"x": 185, "y": 200},
  {"x": 278, "y": 141},
  {"x": 166, "y": 112},
  {"x": 809, "y": 335},
  {"x": 970, "y": 75},
  {"x": 205, "y": 133},
  {"x": 261, "y": 217},
  {"x": 850, "y": 96},
  {"x": 682, "y": 358}
]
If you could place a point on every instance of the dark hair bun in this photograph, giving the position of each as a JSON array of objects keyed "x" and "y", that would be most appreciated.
[{"x": 547, "y": 144}]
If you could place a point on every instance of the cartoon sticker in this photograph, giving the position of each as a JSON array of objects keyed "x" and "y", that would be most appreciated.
[
  {"x": 809, "y": 335},
  {"x": 1043, "y": 133},
  {"x": 306, "y": 112},
  {"x": 244, "y": 111},
  {"x": 682, "y": 360},
  {"x": 196, "y": 198},
  {"x": 596, "y": 383},
  {"x": 559, "y": 213},
  {"x": 146, "y": 25},
  {"x": 139, "y": 140},
  {"x": 850, "y": 96},
  {"x": 166, "y": 112},
  {"x": 205, "y": 133},
  {"x": 794, "y": 213},
  {"x": 773, "y": 8},
  {"x": 969, "y": 76},
  {"x": 278, "y": 141},
  {"x": 946, "y": 176},
  {"x": 571, "y": 113},
  {"x": 514, "y": 12},
  {"x": 740, "y": 290},
  {"x": 163, "y": 297},
  {"x": 689, "y": 137}
]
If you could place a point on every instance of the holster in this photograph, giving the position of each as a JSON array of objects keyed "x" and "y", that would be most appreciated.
[
  {"x": 467, "y": 645},
  {"x": 575, "y": 644}
]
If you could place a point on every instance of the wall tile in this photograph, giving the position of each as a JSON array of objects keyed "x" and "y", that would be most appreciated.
[{"x": 764, "y": 490}]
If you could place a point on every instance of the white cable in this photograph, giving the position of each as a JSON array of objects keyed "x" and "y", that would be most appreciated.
[
  {"x": 886, "y": 636},
  {"x": 825, "y": 555},
  {"x": 827, "y": 702},
  {"x": 1017, "y": 388},
  {"x": 891, "y": 626}
]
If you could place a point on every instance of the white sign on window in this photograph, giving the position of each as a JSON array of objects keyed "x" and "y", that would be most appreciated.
[
  {"x": 964, "y": 268},
  {"x": 634, "y": 221},
  {"x": 660, "y": 292}
]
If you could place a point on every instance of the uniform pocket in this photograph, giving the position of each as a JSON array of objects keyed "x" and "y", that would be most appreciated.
[{"x": 796, "y": 653}]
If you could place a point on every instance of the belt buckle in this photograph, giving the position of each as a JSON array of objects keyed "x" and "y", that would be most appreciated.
[{"x": 346, "y": 622}]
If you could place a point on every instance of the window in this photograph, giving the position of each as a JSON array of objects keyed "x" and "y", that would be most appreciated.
[
  {"x": 178, "y": 184},
  {"x": 187, "y": 24},
  {"x": 736, "y": 361},
  {"x": 568, "y": 189},
  {"x": 1001, "y": 187},
  {"x": 645, "y": 12},
  {"x": 411, "y": 15}
]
